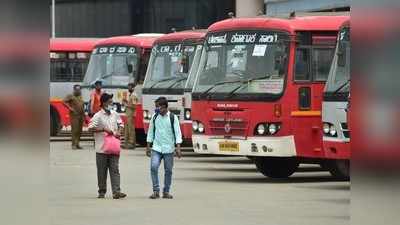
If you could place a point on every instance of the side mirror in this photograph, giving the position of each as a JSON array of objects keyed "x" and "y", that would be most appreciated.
[
  {"x": 130, "y": 68},
  {"x": 341, "y": 54},
  {"x": 185, "y": 64},
  {"x": 341, "y": 59},
  {"x": 279, "y": 62}
]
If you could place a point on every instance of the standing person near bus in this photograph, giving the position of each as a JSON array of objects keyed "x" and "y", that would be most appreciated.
[
  {"x": 130, "y": 111},
  {"x": 75, "y": 104},
  {"x": 95, "y": 98},
  {"x": 106, "y": 121},
  {"x": 163, "y": 135}
]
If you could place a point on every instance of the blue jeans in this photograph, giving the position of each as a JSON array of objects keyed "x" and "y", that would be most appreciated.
[{"x": 156, "y": 158}]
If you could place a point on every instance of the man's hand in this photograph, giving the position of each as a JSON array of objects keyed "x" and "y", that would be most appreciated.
[
  {"x": 178, "y": 151},
  {"x": 108, "y": 131},
  {"x": 148, "y": 150}
]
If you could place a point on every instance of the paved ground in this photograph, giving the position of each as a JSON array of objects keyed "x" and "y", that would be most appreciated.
[{"x": 208, "y": 190}]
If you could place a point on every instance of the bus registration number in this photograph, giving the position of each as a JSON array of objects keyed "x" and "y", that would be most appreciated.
[{"x": 228, "y": 146}]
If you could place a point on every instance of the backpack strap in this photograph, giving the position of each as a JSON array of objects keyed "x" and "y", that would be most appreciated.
[{"x": 154, "y": 125}]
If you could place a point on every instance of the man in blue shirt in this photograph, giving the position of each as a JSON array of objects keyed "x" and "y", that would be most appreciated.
[{"x": 163, "y": 135}]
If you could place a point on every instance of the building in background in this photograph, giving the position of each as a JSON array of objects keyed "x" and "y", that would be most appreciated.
[
  {"x": 105, "y": 18},
  {"x": 285, "y": 7}
]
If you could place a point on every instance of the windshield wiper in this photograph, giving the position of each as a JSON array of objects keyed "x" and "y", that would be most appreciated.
[
  {"x": 218, "y": 84},
  {"x": 246, "y": 82},
  {"x": 176, "y": 82},
  {"x": 163, "y": 80},
  {"x": 105, "y": 76},
  {"x": 341, "y": 87}
]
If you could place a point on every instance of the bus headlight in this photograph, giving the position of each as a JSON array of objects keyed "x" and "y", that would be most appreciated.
[
  {"x": 188, "y": 114},
  {"x": 272, "y": 128},
  {"x": 201, "y": 128},
  {"x": 332, "y": 130},
  {"x": 326, "y": 128},
  {"x": 261, "y": 129},
  {"x": 195, "y": 125}
]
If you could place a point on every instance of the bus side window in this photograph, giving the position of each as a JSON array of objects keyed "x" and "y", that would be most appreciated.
[
  {"x": 321, "y": 63},
  {"x": 302, "y": 65}
]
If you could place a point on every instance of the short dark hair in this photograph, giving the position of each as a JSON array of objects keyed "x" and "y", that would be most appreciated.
[
  {"x": 77, "y": 86},
  {"x": 105, "y": 97},
  {"x": 162, "y": 101}
]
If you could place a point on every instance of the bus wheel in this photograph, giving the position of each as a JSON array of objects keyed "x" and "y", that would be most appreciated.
[
  {"x": 54, "y": 123},
  {"x": 276, "y": 167},
  {"x": 339, "y": 168}
]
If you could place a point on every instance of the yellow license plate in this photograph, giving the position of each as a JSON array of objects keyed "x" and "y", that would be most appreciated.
[{"x": 228, "y": 146}]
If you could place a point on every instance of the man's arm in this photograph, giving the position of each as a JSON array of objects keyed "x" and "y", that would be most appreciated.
[
  {"x": 94, "y": 126},
  {"x": 91, "y": 101},
  {"x": 67, "y": 102},
  {"x": 150, "y": 136},
  {"x": 178, "y": 136}
]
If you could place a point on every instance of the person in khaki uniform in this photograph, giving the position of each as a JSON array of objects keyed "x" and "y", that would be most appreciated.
[
  {"x": 130, "y": 110},
  {"x": 75, "y": 104}
]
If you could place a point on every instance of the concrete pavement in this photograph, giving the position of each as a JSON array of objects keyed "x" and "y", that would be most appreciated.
[{"x": 207, "y": 190}]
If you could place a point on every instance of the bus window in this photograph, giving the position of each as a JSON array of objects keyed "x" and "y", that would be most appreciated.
[
  {"x": 67, "y": 69},
  {"x": 322, "y": 59},
  {"x": 302, "y": 69}
]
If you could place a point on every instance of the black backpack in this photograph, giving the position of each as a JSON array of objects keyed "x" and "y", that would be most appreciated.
[{"x": 172, "y": 120}]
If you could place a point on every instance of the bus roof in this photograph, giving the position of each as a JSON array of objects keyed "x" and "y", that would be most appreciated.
[
  {"x": 182, "y": 36},
  {"x": 292, "y": 25},
  {"x": 140, "y": 40},
  {"x": 72, "y": 44}
]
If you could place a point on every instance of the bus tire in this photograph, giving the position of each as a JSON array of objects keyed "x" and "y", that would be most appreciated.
[
  {"x": 276, "y": 167},
  {"x": 55, "y": 125},
  {"x": 339, "y": 168}
]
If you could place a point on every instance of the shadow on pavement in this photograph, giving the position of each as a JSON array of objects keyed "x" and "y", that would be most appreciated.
[
  {"x": 225, "y": 161},
  {"x": 311, "y": 179},
  {"x": 233, "y": 170},
  {"x": 345, "y": 186}
]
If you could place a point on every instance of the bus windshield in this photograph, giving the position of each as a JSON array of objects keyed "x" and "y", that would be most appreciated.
[
  {"x": 231, "y": 59},
  {"x": 166, "y": 68},
  {"x": 112, "y": 64},
  {"x": 339, "y": 75}
]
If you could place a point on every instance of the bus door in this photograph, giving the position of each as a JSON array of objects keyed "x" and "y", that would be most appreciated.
[{"x": 313, "y": 59}]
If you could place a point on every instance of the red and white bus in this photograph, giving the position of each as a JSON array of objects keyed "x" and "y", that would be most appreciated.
[
  {"x": 69, "y": 58},
  {"x": 170, "y": 65},
  {"x": 116, "y": 61},
  {"x": 336, "y": 139},
  {"x": 258, "y": 91}
]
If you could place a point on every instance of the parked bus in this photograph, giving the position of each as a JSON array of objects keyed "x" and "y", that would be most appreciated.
[
  {"x": 116, "y": 61},
  {"x": 69, "y": 58},
  {"x": 258, "y": 91},
  {"x": 169, "y": 67},
  {"x": 336, "y": 139}
]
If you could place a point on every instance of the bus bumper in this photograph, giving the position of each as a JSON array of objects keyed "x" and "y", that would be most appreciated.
[
  {"x": 252, "y": 146},
  {"x": 336, "y": 149}
]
